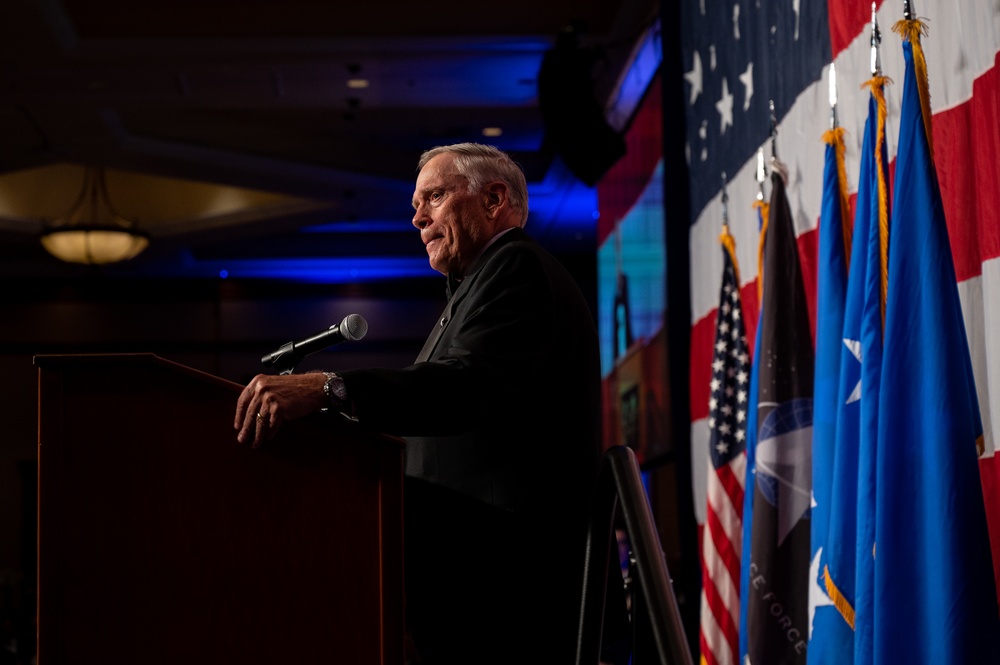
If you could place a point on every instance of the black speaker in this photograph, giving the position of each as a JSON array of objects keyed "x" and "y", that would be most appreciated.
[{"x": 573, "y": 119}]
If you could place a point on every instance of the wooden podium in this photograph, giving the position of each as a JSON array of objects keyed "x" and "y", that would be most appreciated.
[{"x": 163, "y": 540}]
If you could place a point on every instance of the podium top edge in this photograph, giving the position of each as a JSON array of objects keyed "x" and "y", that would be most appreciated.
[{"x": 73, "y": 360}]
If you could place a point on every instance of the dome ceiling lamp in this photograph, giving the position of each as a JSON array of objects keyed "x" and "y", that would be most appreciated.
[{"x": 93, "y": 232}]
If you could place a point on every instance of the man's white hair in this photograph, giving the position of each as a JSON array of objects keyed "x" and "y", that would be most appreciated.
[{"x": 481, "y": 164}]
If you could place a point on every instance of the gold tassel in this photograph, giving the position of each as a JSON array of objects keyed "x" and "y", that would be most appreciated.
[
  {"x": 876, "y": 84},
  {"x": 839, "y": 601},
  {"x": 835, "y": 137},
  {"x": 764, "y": 212},
  {"x": 729, "y": 242},
  {"x": 911, "y": 31}
]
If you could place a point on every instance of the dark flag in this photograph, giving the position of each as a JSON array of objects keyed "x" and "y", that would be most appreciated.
[{"x": 777, "y": 606}]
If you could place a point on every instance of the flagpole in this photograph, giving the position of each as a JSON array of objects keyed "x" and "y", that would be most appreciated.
[
  {"x": 726, "y": 237},
  {"x": 833, "y": 96},
  {"x": 761, "y": 205},
  {"x": 876, "y": 84},
  {"x": 875, "y": 64},
  {"x": 761, "y": 174},
  {"x": 835, "y": 137},
  {"x": 774, "y": 131},
  {"x": 725, "y": 203}
]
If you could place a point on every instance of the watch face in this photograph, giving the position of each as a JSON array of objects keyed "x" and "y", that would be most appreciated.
[{"x": 334, "y": 387}]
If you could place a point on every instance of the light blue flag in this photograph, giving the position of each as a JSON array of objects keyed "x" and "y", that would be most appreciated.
[
  {"x": 857, "y": 394},
  {"x": 935, "y": 597},
  {"x": 830, "y": 639},
  {"x": 749, "y": 481},
  {"x": 870, "y": 340}
]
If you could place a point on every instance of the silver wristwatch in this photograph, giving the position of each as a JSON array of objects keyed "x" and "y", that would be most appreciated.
[{"x": 335, "y": 391}]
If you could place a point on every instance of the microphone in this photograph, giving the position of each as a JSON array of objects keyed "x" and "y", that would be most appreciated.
[{"x": 352, "y": 328}]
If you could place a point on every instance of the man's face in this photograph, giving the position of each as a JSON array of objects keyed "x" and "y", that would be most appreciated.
[{"x": 454, "y": 224}]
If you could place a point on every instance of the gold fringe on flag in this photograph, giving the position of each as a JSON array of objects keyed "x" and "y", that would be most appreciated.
[
  {"x": 729, "y": 242},
  {"x": 876, "y": 84},
  {"x": 839, "y": 601},
  {"x": 835, "y": 137},
  {"x": 911, "y": 31},
  {"x": 764, "y": 208}
]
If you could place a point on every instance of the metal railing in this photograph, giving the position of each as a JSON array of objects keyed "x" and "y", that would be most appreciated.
[{"x": 620, "y": 491}]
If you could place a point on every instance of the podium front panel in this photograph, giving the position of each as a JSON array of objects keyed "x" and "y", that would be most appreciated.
[{"x": 163, "y": 540}]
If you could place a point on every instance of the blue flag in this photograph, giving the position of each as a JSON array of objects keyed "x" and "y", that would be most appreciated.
[
  {"x": 830, "y": 637},
  {"x": 871, "y": 250},
  {"x": 851, "y": 499},
  {"x": 935, "y": 599}
]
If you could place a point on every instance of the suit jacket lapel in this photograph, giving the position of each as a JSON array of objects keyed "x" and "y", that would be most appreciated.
[
  {"x": 442, "y": 322},
  {"x": 455, "y": 291},
  {"x": 435, "y": 335}
]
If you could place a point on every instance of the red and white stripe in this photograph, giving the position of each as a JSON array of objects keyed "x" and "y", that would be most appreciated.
[{"x": 721, "y": 545}]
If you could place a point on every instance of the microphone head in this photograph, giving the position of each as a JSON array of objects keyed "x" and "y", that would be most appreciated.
[{"x": 353, "y": 327}]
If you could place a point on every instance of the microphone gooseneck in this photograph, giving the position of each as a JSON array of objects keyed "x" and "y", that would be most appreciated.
[{"x": 290, "y": 354}]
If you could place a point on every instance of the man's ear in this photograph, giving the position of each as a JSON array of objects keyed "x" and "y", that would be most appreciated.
[{"x": 496, "y": 198}]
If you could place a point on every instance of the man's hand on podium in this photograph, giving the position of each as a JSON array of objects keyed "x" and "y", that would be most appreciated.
[{"x": 269, "y": 400}]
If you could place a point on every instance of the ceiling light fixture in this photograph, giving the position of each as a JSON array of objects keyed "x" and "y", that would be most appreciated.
[{"x": 93, "y": 232}]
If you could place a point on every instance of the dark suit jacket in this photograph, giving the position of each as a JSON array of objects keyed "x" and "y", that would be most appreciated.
[
  {"x": 501, "y": 411},
  {"x": 504, "y": 402}
]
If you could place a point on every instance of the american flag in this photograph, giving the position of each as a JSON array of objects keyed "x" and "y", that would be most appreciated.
[{"x": 721, "y": 537}]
